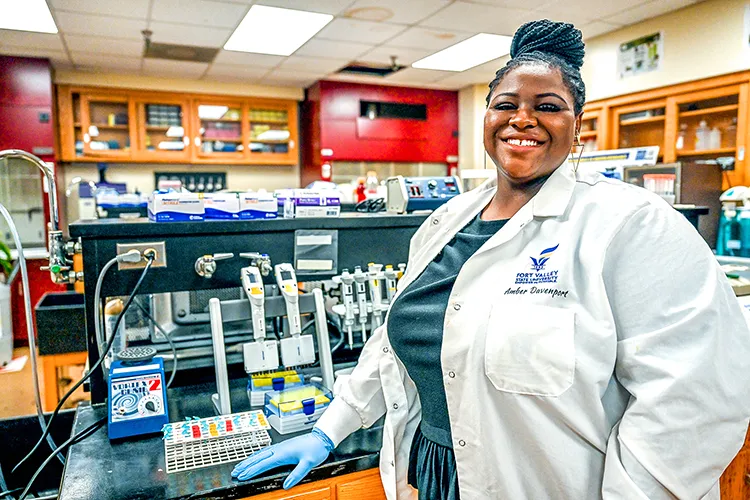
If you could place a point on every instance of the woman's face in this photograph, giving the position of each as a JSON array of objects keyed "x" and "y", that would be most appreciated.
[{"x": 530, "y": 123}]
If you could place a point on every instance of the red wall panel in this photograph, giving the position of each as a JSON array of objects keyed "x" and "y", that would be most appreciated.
[
  {"x": 334, "y": 119},
  {"x": 21, "y": 128},
  {"x": 25, "y": 81}
]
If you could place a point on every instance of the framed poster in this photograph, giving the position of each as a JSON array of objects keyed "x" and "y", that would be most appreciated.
[{"x": 641, "y": 55}]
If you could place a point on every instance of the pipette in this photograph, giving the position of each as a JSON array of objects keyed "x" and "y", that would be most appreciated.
[
  {"x": 359, "y": 279},
  {"x": 347, "y": 291},
  {"x": 260, "y": 355},
  {"x": 297, "y": 349},
  {"x": 373, "y": 279},
  {"x": 391, "y": 278}
]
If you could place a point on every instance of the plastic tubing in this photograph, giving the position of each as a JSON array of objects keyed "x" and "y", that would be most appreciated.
[{"x": 29, "y": 326}]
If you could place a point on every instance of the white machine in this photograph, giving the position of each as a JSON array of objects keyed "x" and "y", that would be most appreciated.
[
  {"x": 296, "y": 349},
  {"x": 261, "y": 354}
]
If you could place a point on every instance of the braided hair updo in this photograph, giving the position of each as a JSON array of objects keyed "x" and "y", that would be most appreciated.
[{"x": 558, "y": 45}]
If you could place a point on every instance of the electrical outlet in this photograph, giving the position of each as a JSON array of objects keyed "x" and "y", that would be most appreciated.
[{"x": 157, "y": 246}]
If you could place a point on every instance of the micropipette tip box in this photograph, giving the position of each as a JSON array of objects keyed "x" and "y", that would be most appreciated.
[
  {"x": 261, "y": 384},
  {"x": 296, "y": 409}
]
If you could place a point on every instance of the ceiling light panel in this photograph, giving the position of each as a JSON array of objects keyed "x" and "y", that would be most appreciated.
[
  {"x": 26, "y": 15},
  {"x": 467, "y": 54},
  {"x": 271, "y": 30}
]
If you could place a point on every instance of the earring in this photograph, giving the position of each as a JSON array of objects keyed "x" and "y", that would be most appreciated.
[{"x": 577, "y": 143}]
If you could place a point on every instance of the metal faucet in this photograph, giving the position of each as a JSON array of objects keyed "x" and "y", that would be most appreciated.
[{"x": 60, "y": 267}]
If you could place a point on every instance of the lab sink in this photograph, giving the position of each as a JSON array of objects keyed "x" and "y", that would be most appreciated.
[{"x": 61, "y": 323}]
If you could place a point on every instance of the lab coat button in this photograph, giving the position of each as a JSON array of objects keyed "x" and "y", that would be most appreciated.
[
  {"x": 457, "y": 307},
  {"x": 395, "y": 406},
  {"x": 385, "y": 350},
  {"x": 462, "y": 442},
  {"x": 435, "y": 222},
  {"x": 452, "y": 374},
  {"x": 392, "y": 464}
]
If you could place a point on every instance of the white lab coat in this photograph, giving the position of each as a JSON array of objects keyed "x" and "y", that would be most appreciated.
[{"x": 619, "y": 368}]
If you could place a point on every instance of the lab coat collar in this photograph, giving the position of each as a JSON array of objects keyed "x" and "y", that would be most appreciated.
[{"x": 551, "y": 200}]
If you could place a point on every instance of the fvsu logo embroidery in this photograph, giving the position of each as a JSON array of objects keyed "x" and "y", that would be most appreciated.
[{"x": 538, "y": 264}]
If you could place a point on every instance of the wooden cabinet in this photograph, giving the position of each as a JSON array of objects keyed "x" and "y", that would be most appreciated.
[
  {"x": 735, "y": 481},
  {"x": 363, "y": 485},
  {"x": 699, "y": 120},
  {"x": 162, "y": 129},
  {"x": 97, "y": 124}
]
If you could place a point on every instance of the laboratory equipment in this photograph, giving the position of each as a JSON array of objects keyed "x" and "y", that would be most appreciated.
[
  {"x": 221, "y": 401},
  {"x": 296, "y": 409},
  {"x": 374, "y": 278},
  {"x": 391, "y": 280},
  {"x": 204, "y": 442},
  {"x": 6, "y": 332},
  {"x": 261, "y": 384},
  {"x": 695, "y": 185},
  {"x": 359, "y": 280},
  {"x": 262, "y": 354},
  {"x": 407, "y": 194},
  {"x": 297, "y": 349},
  {"x": 612, "y": 162},
  {"x": 346, "y": 280},
  {"x": 137, "y": 394},
  {"x": 733, "y": 221}
]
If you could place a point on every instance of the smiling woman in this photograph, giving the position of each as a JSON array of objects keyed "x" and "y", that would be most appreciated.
[{"x": 556, "y": 334}]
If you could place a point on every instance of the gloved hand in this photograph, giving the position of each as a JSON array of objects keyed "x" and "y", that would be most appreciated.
[{"x": 306, "y": 451}]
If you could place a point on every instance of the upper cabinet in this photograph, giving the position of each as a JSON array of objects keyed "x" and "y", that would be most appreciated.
[
  {"x": 163, "y": 126},
  {"x": 159, "y": 127},
  {"x": 701, "y": 120}
]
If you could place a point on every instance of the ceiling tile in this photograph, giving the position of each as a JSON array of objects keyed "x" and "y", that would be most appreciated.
[
  {"x": 313, "y": 64},
  {"x": 597, "y": 28},
  {"x": 30, "y": 40},
  {"x": 429, "y": 39},
  {"x": 55, "y": 57},
  {"x": 228, "y": 72},
  {"x": 334, "y": 50},
  {"x": 201, "y": 36},
  {"x": 247, "y": 59},
  {"x": 417, "y": 76},
  {"x": 647, "y": 11},
  {"x": 394, "y": 11},
  {"x": 404, "y": 56},
  {"x": 323, "y": 6},
  {"x": 580, "y": 11},
  {"x": 91, "y": 62},
  {"x": 343, "y": 77},
  {"x": 352, "y": 30},
  {"x": 474, "y": 18},
  {"x": 291, "y": 78},
  {"x": 102, "y": 45},
  {"x": 199, "y": 12},
  {"x": 460, "y": 80},
  {"x": 137, "y": 9},
  {"x": 527, "y": 4},
  {"x": 182, "y": 69},
  {"x": 95, "y": 25}
]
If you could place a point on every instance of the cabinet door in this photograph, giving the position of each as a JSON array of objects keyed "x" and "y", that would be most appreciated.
[
  {"x": 366, "y": 488},
  {"x": 273, "y": 132},
  {"x": 163, "y": 130},
  {"x": 106, "y": 126},
  {"x": 591, "y": 130},
  {"x": 220, "y": 131},
  {"x": 304, "y": 492},
  {"x": 639, "y": 125},
  {"x": 710, "y": 124}
]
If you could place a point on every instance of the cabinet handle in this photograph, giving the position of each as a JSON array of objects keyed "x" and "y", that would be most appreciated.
[
  {"x": 291, "y": 144},
  {"x": 197, "y": 141},
  {"x": 747, "y": 479}
]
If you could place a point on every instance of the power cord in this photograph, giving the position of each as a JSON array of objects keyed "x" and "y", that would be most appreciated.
[
  {"x": 166, "y": 336},
  {"x": 96, "y": 365},
  {"x": 370, "y": 205},
  {"x": 72, "y": 440}
]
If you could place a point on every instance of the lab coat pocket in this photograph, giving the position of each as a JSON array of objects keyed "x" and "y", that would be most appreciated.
[{"x": 530, "y": 349}]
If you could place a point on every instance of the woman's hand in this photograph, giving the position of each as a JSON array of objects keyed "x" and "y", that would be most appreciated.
[{"x": 306, "y": 452}]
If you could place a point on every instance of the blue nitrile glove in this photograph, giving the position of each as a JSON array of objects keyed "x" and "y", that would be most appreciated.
[{"x": 306, "y": 451}]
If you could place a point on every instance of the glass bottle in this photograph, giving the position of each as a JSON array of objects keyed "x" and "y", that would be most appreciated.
[
  {"x": 681, "y": 135},
  {"x": 730, "y": 134}
]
